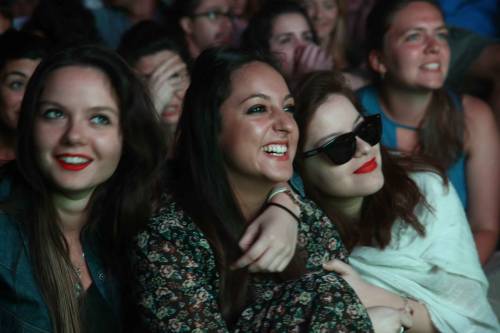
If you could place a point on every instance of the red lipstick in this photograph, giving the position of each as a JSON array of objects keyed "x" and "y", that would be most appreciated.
[
  {"x": 367, "y": 167},
  {"x": 73, "y": 166}
]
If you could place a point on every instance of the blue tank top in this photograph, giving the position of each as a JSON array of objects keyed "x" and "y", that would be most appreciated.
[{"x": 368, "y": 97}]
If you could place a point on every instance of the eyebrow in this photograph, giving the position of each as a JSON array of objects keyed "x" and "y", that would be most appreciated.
[
  {"x": 441, "y": 27},
  {"x": 16, "y": 73},
  {"x": 330, "y": 136},
  {"x": 263, "y": 96},
  {"x": 92, "y": 109}
]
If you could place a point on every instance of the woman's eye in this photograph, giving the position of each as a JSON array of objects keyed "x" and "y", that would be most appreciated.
[
  {"x": 443, "y": 35},
  {"x": 100, "y": 120},
  {"x": 256, "y": 109},
  {"x": 308, "y": 37},
  {"x": 284, "y": 40},
  {"x": 16, "y": 85},
  {"x": 413, "y": 37},
  {"x": 289, "y": 108},
  {"x": 52, "y": 114}
]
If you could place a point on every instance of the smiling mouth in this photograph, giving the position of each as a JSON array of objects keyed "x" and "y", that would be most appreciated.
[
  {"x": 73, "y": 162},
  {"x": 275, "y": 149},
  {"x": 433, "y": 66}
]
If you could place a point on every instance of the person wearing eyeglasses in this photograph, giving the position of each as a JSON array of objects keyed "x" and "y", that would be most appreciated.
[
  {"x": 204, "y": 23},
  {"x": 403, "y": 223}
]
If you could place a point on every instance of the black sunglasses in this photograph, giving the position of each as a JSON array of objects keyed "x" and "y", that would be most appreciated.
[{"x": 342, "y": 148}]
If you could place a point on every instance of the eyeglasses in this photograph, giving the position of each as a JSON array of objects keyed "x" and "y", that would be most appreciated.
[
  {"x": 342, "y": 148},
  {"x": 213, "y": 15}
]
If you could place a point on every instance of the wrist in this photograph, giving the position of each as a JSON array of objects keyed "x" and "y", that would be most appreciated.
[{"x": 283, "y": 195}]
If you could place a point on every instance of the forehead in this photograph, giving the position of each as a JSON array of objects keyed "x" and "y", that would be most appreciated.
[
  {"x": 257, "y": 78},
  {"x": 335, "y": 115},
  {"x": 208, "y": 4},
  {"x": 23, "y": 65},
  {"x": 289, "y": 22},
  {"x": 79, "y": 83},
  {"x": 148, "y": 63},
  {"x": 416, "y": 14}
]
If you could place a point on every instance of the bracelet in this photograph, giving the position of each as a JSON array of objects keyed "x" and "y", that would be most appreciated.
[
  {"x": 282, "y": 189},
  {"x": 286, "y": 209}
]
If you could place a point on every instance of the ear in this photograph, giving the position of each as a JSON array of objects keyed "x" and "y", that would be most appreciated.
[
  {"x": 186, "y": 25},
  {"x": 376, "y": 62}
]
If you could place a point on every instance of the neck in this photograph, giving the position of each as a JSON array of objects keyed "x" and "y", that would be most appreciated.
[
  {"x": 250, "y": 196},
  {"x": 169, "y": 130},
  {"x": 193, "y": 49},
  {"x": 405, "y": 106},
  {"x": 142, "y": 10},
  {"x": 72, "y": 212},
  {"x": 347, "y": 208}
]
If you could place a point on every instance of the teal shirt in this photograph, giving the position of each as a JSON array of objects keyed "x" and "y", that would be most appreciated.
[{"x": 368, "y": 97}]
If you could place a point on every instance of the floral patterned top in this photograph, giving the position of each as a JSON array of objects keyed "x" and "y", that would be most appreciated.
[{"x": 178, "y": 282}]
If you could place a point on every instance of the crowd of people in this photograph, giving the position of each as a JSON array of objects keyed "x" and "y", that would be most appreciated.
[{"x": 248, "y": 166}]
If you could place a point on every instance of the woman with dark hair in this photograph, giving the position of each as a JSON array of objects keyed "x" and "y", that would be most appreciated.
[
  {"x": 236, "y": 141},
  {"x": 283, "y": 30},
  {"x": 20, "y": 53},
  {"x": 408, "y": 49},
  {"x": 88, "y": 160},
  {"x": 406, "y": 231},
  {"x": 161, "y": 62}
]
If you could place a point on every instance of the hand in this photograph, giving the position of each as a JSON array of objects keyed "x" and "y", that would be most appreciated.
[
  {"x": 311, "y": 58},
  {"x": 389, "y": 320},
  {"x": 352, "y": 277},
  {"x": 168, "y": 78},
  {"x": 269, "y": 241}
]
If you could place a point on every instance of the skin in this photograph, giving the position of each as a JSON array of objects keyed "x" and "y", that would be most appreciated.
[
  {"x": 82, "y": 119},
  {"x": 339, "y": 190},
  {"x": 323, "y": 14},
  {"x": 201, "y": 32},
  {"x": 167, "y": 78},
  {"x": 407, "y": 92},
  {"x": 339, "y": 182},
  {"x": 14, "y": 77},
  {"x": 291, "y": 42},
  {"x": 257, "y": 113}
]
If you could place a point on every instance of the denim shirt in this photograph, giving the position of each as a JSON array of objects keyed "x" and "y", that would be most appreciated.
[{"x": 22, "y": 308}]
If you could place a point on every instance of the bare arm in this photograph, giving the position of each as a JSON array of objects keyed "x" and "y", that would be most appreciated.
[
  {"x": 482, "y": 146},
  {"x": 269, "y": 241},
  {"x": 372, "y": 296}
]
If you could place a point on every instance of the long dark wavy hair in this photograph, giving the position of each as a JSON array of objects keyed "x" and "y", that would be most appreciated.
[
  {"x": 117, "y": 208},
  {"x": 199, "y": 178},
  {"x": 399, "y": 195},
  {"x": 441, "y": 131}
]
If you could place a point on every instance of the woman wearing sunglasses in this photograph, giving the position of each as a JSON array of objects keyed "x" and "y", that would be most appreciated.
[{"x": 406, "y": 229}]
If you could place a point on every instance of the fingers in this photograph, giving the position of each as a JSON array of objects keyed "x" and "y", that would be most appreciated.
[
  {"x": 252, "y": 254},
  {"x": 249, "y": 236},
  {"x": 338, "y": 266},
  {"x": 265, "y": 255},
  {"x": 405, "y": 317}
]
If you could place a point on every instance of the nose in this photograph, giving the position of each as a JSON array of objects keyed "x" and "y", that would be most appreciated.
[
  {"x": 75, "y": 132},
  {"x": 433, "y": 45},
  {"x": 362, "y": 147},
  {"x": 284, "y": 122}
]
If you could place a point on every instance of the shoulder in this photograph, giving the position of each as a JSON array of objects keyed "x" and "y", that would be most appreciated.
[
  {"x": 480, "y": 123},
  {"x": 172, "y": 227}
]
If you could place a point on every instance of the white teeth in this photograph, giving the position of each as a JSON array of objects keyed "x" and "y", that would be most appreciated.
[
  {"x": 74, "y": 160},
  {"x": 275, "y": 149},
  {"x": 432, "y": 66}
]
